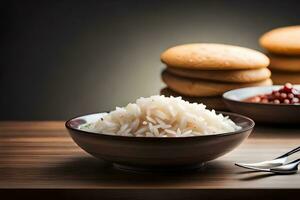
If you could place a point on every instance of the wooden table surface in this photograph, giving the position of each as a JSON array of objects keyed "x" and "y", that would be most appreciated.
[{"x": 42, "y": 155}]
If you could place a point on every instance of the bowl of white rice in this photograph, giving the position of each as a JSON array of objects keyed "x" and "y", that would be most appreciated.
[{"x": 159, "y": 132}]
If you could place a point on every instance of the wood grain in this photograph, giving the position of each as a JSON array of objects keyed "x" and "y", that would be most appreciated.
[{"x": 42, "y": 155}]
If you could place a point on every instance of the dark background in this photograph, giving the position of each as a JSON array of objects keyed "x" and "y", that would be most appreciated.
[{"x": 65, "y": 58}]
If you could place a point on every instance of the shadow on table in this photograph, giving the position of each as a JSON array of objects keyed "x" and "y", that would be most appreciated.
[
  {"x": 257, "y": 176},
  {"x": 91, "y": 170}
]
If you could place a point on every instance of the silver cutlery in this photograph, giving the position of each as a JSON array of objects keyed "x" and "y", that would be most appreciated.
[
  {"x": 289, "y": 168},
  {"x": 277, "y": 165}
]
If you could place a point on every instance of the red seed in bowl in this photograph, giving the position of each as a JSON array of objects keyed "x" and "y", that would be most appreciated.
[
  {"x": 286, "y": 101},
  {"x": 295, "y": 100},
  {"x": 276, "y": 94},
  {"x": 287, "y": 95},
  {"x": 290, "y": 95},
  {"x": 276, "y": 101},
  {"x": 283, "y": 95}
]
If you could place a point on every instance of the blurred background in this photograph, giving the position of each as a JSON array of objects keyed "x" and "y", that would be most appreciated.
[{"x": 66, "y": 58}]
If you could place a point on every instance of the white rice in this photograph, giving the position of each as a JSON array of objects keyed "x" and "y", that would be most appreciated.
[{"x": 160, "y": 116}]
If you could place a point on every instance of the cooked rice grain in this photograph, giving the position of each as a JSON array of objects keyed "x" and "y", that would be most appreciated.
[{"x": 160, "y": 116}]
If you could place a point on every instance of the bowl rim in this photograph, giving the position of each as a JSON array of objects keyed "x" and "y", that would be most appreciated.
[
  {"x": 226, "y": 98},
  {"x": 250, "y": 127}
]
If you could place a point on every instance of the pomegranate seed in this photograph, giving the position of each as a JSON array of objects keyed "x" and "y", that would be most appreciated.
[
  {"x": 290, "y": 95},
  {"x": 276, "y": 101},
  {"x": 257, "y": 99},
  {"x": 295, "y": 100},
  {"x": 287, "y": 95},
  {"x": 286, "y": 90},
  {"x": 288, "y": 85},
  {"x": 286, "y": 101},
  {"x": 277, "y": 94},
  {"x": 283, "y": 95}
]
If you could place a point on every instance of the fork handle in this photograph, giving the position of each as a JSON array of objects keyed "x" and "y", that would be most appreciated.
[{"x": 290, "y": 152}]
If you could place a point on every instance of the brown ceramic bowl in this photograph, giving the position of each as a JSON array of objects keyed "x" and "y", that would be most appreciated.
[
  {"x": 262, "y": 112},
  {"x": 157, "y": 153}
]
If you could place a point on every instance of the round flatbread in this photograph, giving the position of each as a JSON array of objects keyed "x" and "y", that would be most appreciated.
[
  {"x": 285, "y": 63},
  {"x": 232, "y": 76},
  {"x": 280, "y": 78},
  {"x": 202, "y": 88},
  {"x": 215, "y": 103},
  {"x": 285, "y": 40},
  {"x": 206, "y": 56}
]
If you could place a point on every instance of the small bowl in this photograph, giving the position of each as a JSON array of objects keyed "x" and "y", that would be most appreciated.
[
  {"x": 157, "y": 153},
  {"x": 262, "y": 112}
]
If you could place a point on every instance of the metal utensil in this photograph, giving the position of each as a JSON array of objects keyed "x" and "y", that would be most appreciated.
[
  {"x": 289, "y": 168},
  {"x": 279, "y": 161}
]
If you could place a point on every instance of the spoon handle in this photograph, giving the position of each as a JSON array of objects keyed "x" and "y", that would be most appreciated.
[
  {"x": 290, "y": 152},
  {"x": 289, "y": 168}
]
